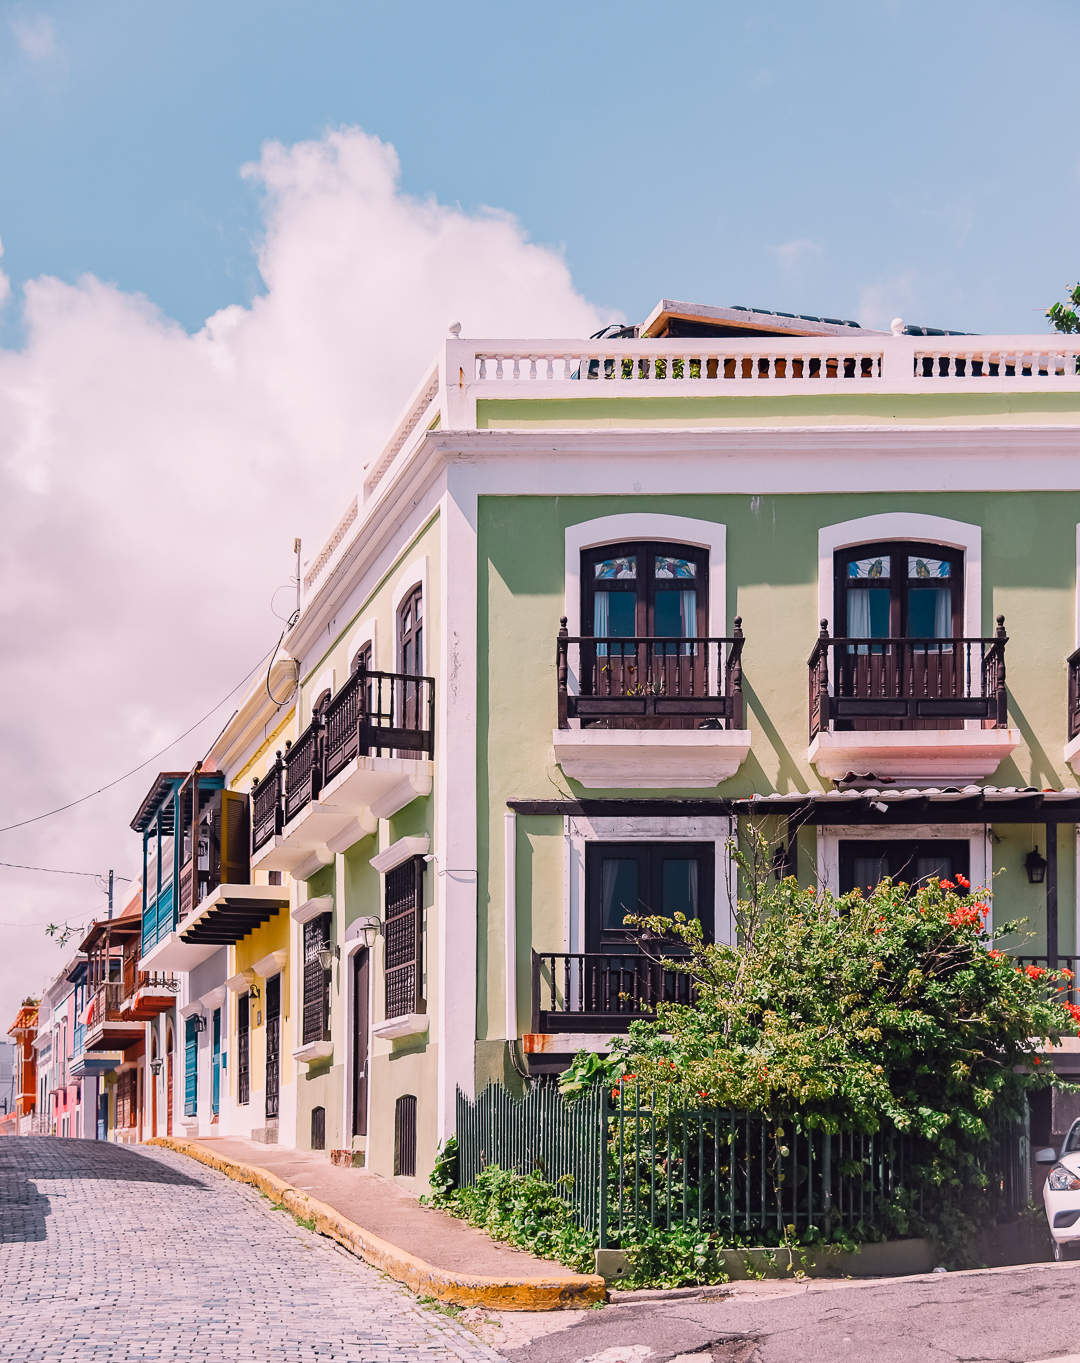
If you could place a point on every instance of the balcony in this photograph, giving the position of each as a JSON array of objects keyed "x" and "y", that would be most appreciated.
[
  {"x": 108, "y": 1027},
  {"x": 366, "y": 756},
  {"x": 650, "y": 713},
  {"x": 580, "y": 1000},
  {"x": 147, "y": 994},
  {"x": 1072, "y": 746},
  {"x": 927, "y": 711}
]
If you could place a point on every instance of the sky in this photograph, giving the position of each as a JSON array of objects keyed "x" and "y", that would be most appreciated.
[{"x": 234, "y": 234}]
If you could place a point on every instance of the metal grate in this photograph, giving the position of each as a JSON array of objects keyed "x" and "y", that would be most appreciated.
[
  {"x": 403, "y": 933},
  {"x": 243, "y": 1050},
  {"x": 405, "y": 1136},
  {"x": 318, "y": 1128},
  {"x": 316, "y": 979}
]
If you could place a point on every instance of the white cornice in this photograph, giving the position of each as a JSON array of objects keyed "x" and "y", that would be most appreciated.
[{"x": 994, "y": 457}]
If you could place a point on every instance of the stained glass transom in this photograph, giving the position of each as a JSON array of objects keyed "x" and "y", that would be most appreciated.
[
  {"x": 674, "y": 567},
  {"x": 612, "y": 569},
  {"x": 870, "y": 567},
  {"x": 928, "y": 567}
]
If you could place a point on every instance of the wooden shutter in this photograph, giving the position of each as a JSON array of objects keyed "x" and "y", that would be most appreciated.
[
  {"x": 316, "y": 979},
  {"x": 235, "y": 839},
  {"x": 404, "y": 934}
]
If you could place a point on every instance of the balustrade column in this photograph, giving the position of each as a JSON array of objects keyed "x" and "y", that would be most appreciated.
[{"x": 562, "y": 666}]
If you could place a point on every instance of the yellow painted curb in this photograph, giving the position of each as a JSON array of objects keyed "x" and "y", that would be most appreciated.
[{"x": 457, "y": 1289}]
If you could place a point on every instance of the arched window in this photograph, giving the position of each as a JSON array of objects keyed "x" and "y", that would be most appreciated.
[
  {"x": 411, "y": 633},
  {"x": 899, "y": 590},
  {"x": 645, "y": 590},
  {"x": 362, "y": 659},
  {"x": 322, "y": 701}
]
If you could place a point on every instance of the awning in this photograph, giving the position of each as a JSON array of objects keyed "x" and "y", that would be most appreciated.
[
  {"x": 231, "y": 912},
  {"x": 892, "y": 805}
]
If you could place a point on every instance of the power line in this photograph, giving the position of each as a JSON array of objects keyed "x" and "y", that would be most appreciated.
[
  {"x": 83, "y": 798},
  {"x": 52, "y": 870}
]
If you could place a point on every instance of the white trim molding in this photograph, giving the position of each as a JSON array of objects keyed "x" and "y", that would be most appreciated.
[
  {"x": 916, "y": 757},
  {"x": 313, "y": 1051},
  {"x": 904, "y": 525},
  {"x": 647, "y": 525},
  {"x": 580, "y": 829},
  {"x": 273, "y": 963},
  {"x": 408, "y": 1024},
  {"x": 312, "y": 908},
  {"x": 401, "y": 851}
]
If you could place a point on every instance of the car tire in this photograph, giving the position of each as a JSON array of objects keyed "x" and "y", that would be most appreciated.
[{"x": 1059, "y": 1252}]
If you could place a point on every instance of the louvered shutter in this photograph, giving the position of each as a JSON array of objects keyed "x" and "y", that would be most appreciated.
[
  {"x": 235, "y": 839},
  {"x": 316, "y": 979},
  {"x": 403, "y": 931}
]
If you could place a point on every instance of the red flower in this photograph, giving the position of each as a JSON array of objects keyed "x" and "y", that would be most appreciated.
[
  {"x": 1073, "y": 1011},
  {"x": 702, "y": 1093},
  {"x": 1035, "y": 972},
  {"x": 1067, "y": 973},
  {"x": 1036, "y": 1061},
  {"x": 947, "y": 885},
  {"x": 966, "y": 917},
  {"x": 963, "y": 880}
]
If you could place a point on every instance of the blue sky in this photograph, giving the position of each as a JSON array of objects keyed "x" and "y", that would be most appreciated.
[{"x": 857, "y": 160}]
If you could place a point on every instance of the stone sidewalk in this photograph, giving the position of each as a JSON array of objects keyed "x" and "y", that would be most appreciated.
[
  {"x": 113, "y": 1253},
  {"x": 390, "y": 1212}
]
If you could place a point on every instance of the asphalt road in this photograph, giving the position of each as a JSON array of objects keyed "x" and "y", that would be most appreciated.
[{"x": 1012, "y": 1315}]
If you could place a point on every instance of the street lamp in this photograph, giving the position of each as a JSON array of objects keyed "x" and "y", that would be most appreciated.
[
  {"x": 329, "y": 955},
  {"x": 155, "y": 1066},
  {"x": 1035, "y": 866}
]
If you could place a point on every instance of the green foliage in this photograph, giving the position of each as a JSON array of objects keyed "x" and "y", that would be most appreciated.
[
  {"x": 524, "y": 1210},
  {"x": 588, "y": 1068},
  {"x": 1063, "y": 317},
  {"x": 856, "y": 1012},
  {"x": 444, "y": 1176},
  {"x": 683, "y": 1256}
]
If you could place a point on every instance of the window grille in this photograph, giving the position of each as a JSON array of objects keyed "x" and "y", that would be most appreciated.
[
  {"x": 403, "y": 931},
  {"x": 273, "y": 1045},
  {"x": 316, "y": 979},
  {"x": 405, "y": 1136}
]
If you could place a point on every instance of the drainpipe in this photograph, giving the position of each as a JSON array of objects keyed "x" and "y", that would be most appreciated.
[
  {"x": 1051, "y": 896},
  {"x": 510, "y": 927}
]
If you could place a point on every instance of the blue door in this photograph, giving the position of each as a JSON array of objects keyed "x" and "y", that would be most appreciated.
[
  {"x": 216, "y": 1067},
  {"x": 191, "y": 1068}
]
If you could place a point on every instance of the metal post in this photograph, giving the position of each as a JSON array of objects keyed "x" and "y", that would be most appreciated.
[
  {"x": 1051, "y": 896},
  {"x": 110, "y": 893}
]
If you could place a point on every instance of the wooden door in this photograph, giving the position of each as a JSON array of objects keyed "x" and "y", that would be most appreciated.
[
  {"x": 169, "y": 1094},
  {"x": 361, "y": 1020}
]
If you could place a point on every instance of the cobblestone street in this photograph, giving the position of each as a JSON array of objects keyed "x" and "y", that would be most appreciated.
[{"x": 108, "y": 1252}]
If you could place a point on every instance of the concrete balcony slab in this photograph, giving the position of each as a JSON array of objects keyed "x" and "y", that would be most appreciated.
[
  {"x": 650, "y": 759},
  {"x": 935, "y": 757}
]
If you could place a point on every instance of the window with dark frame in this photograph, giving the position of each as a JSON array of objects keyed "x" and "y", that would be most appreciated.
[
  {"x": 403, "y": 934},
  {"x": 863, "y": 863},
  {"x": 411, "y": 633},
  {"x": 899, "y": 589},
  {"x": 645, "y": 589},
  {"x": 316, "y": 979},
  {"x": 362, "y": 661},
  {"x": 645, "y": 878}
]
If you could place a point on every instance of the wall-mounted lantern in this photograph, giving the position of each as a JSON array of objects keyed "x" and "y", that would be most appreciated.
[
  {"x": 1036, "y": 867},
  {"x": 329, "y": 955}
]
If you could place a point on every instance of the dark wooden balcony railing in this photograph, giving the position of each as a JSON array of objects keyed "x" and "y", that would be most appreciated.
[
  {"x": 907, "y": 683},
  {"x": 374, "y": 714},
  {"x": 267, "y": 805},
  {"x": 1074, "y": 694},
  {"x": 661, "y": 683},
  {"x": 377, "y": 713},
  {"x": 595, "y": 991}
]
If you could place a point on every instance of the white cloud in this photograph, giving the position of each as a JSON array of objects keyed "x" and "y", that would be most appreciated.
[
  {"x": 36, "y": 37},
  {"x": 792, "y": 256},
  {"x": 151, "y": 483},
  {"x": 897, "y": 296}
]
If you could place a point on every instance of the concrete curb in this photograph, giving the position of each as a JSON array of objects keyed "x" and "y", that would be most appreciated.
[{"x": 502, "y": 1294}]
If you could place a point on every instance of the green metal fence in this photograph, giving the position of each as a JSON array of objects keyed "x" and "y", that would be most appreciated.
[{"x": 635, "y": 1166}]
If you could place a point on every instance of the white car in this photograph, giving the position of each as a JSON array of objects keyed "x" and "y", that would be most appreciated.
[{"x": 1061, "y": 1192}]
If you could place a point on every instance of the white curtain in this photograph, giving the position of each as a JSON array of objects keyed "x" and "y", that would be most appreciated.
[
  {"x": 942, "y": 612},
  {"x": 610, "y": 874},
  {"x": 693, "y": 868},
  {"x": 858, "y": 614},
  {"x": 688, "y": 613},
  {"x": 600, "y": 623}
]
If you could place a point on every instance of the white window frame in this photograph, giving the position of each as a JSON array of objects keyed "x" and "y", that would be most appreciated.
[
  {"x": 905, "y": 525},
  {"x": 581, "y": 829},
  {"x": 980, "y": 847}
]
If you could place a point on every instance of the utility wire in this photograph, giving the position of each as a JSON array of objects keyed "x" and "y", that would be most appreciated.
[
  {"x": 109, "y": 785},
  {"x": 52, "y": 870}
]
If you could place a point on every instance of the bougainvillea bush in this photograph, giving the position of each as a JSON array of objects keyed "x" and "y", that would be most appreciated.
[{"x": 893, "y": 1007}]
